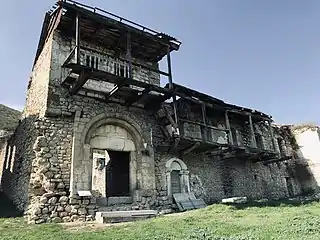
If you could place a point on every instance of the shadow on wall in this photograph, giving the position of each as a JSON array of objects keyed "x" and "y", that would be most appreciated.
[
  {"x": 278, "y": 203},
  {"x": 7, "y": 208},
  {"x": 20, "y": 163},
  {"x": 298, "y": 169}
]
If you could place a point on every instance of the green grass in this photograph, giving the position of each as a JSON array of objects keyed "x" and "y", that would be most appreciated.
[
  {"x": 216, "y": 222},
  {"x": 9, "y": 118}
]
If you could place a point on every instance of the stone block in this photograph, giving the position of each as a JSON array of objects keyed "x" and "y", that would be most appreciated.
[{"x": 235, "y": 200}]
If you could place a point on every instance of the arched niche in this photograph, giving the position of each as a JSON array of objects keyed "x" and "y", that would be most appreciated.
[{"x": 177, "y": 175}]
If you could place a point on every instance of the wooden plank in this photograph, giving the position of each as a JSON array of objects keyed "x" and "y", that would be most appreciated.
[
  {"x": 253, "y": 137},
  {"x": 173, "y": 123},
  {"x": 77, "y": 53},
  {"x": 190, "y": 149},
  {"x": 139, "y": 96},
  {"x": 228, "y": 128},
  {"x": 68, "y": 59},
  {"x": 82, "y": 79},
  {"x": 272, "y": 136},
  {"x": 116, "y": 88},
  {"x": 198, "y": 203}
]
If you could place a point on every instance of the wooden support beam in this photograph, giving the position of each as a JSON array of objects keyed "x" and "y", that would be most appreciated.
[
  {"x": 272, "y": 136},
  {"x": 55, "y": 20},
  {"x": 190, "y": 149},
  {"x": 253, "y": 137},
  {"x": 204, "y": 120},
  {"x": 173, "y": 123},
  {"x": 81, "y": 80},
  {"x": 70, "y": 56},
  {"x": 277, "y": 160},
  {"x": 174, "y": 99},
  {"x": 169, "y": 69},
  {"x": 116, "y": 88},
  {"x": 128, "y": 54},
  {"x": 77, "y": 54},
  {"x": 156, "y": 104},
  {"x": 229, "y": 128},
  {"x": 139, "y": 96}
]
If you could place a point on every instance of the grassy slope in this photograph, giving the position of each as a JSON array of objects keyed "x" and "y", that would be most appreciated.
[
  {"x": 8, "y": 118},
  {"x": 215, "y": 222}
]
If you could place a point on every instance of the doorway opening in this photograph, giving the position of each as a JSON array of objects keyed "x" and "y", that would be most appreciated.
[
  {"x": 175, "y": 182},
  {"x": 117, "y": 174}
]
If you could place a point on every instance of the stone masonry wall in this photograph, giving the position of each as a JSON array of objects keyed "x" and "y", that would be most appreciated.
[
  {"x": 38, "y": 84},
  {"x": 54, "y": 125}
]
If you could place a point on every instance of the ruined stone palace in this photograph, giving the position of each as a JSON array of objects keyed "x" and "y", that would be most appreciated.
[{"x": 99, "y": 132}]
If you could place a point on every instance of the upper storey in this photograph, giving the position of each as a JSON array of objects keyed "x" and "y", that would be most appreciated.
[{"x": 107, "y": 30}]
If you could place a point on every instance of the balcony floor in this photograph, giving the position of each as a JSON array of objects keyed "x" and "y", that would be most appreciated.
[{"x": 129, "y": 91}]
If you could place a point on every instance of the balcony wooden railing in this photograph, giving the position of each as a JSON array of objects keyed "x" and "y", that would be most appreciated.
[{"x": 201, "y": 132}]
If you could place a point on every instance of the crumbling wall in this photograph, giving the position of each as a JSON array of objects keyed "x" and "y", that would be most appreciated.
[
  {"x": 37, "y": 93},
  {"x": 16, "y": 177},
  {"x": 308, "y": 143}
]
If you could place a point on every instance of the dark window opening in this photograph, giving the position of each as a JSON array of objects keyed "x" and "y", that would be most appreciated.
[
  {"x": 259, "y": 141},
  {"x": 92, "y": 62},
  {"x": 88, "y": 61},
  {"x": 234, "y": 136},
  {"x": 97, "y": 62},
  {"x": 175, "y": 182},
  {"x": 117, "y": 176},
  {"x": 122, "y": 71},
  {"x": 255, "y": 176}
]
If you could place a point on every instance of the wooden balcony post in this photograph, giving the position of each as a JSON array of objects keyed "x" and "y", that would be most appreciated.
[
  {"x": 272, "y": 136},
  {"x": 169, "y": 68},
  {"x": 228, "y": 128},
  {"x": 77, "y": 39},
  {"x": 128, "y": 54},
  {"x": 171, "y": 87},
  {"x": 253, "y": 137},
  {"x": 204, "y": 119}
]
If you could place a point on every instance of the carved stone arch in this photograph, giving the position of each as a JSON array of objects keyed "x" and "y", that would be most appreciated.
[
  {"x": 113, "y": 119},
  {"x": 82, "y": 161},
  {"x": 176, "y": 160},
  {"x": 177, "y": 165}
]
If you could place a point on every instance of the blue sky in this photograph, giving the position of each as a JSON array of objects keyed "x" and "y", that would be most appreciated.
[{"x": 263, "y": 54}]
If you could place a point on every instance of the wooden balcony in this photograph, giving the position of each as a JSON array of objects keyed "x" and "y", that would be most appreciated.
[{"x": 110, "y": 79}]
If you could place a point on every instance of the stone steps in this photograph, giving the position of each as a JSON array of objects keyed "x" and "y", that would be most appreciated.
[{"x": 124, "y": 216}]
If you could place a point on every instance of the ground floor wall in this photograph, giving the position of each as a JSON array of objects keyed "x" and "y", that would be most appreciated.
[{"x": 53, "y": 162}]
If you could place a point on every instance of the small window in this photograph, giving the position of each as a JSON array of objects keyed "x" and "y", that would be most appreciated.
[{"x": 234, "y": 135}]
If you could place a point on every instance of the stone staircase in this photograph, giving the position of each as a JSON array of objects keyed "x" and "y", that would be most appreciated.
[
  {"x": 124, "y": 216},
  {"x": 123, "y": 213}
]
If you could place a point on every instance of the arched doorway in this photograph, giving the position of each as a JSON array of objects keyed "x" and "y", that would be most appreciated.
[
  {"x": 177, "y": 176},
  {"x": 114, "y": 161},
  {"x": 97, "y": 147}
]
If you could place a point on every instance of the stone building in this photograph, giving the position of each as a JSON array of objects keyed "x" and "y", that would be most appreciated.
[{"x": 99, "y": 131}]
